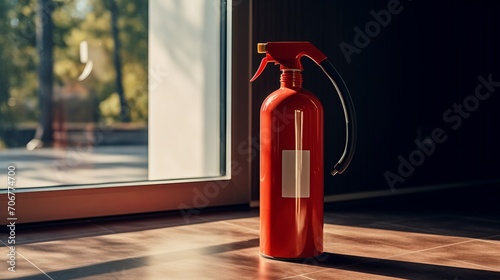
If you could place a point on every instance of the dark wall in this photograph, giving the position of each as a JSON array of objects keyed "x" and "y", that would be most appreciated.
[{"x": 427, "y": 58}]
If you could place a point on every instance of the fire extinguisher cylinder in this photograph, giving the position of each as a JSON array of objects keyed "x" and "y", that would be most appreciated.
[{"x": 291, "y": 154}]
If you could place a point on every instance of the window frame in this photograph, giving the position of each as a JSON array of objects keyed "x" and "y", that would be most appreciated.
[{"x": 188, "y": 197}]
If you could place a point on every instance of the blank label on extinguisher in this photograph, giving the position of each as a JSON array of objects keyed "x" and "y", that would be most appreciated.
[{"x": 295, "y": 173}]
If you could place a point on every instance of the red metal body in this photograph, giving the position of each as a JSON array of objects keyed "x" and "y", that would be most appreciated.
[
  {"x": 291, "y": 153},
  {"x": 291, "y": 130}
]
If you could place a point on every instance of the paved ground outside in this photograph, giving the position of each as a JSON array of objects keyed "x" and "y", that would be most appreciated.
[{"x": 71, "y": 166}]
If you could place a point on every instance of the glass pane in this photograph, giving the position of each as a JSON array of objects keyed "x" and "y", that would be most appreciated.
[
  {"x": 185, "y": 95},
  {"x": 74, "y": 91}
]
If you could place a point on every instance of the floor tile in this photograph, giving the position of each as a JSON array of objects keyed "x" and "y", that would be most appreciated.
[
  {"x": 478, "y": 216},
  {"x": 142, "y": 273},
  {"x": 473, "y": 254},
  {"x": 342, "y": 274},
  {"x": 118, "y": 269},
  {"x": 141, "y": 223},
  {"x": 22, "y": 267},
  {"x": 33, "y": 234},
  {"x": 451, "y": 225},
  {"x": 298, "y": 278},
  {"x": 229, "y": 215},
  {"x": 182, "y": 240},
  {"x": 366, "y": 218},
  {"x": 374, "y": 242},
  {"x": 399, "y": 269},
  {"x": 251, "y": 224},
  {"x": 75, "y": 255}
]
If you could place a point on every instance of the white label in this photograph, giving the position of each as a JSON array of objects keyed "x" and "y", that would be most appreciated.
[{"x": 295, "y": 173}]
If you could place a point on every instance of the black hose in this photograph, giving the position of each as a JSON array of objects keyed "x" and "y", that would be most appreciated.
[{"x": 349, "y": 114}]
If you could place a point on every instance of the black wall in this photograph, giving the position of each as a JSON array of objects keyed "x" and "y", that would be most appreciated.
[{"x": 425, "y": 60}]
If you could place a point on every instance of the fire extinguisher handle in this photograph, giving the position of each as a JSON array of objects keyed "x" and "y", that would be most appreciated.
[{"x": 349, "y": 114}]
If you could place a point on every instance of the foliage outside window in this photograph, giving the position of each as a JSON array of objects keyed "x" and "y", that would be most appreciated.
[{"x": 115, "y": 92}]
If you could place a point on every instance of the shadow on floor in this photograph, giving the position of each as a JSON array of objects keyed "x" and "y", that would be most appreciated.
[{"x": 398, "y": 269}]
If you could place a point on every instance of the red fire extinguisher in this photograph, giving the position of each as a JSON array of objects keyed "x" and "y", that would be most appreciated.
[{"x": 291, "y": 154}]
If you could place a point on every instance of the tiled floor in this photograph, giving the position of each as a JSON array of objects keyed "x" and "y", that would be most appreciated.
[{"x": 360, "y": 244}]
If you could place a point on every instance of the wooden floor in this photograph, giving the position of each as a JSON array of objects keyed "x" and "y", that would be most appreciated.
[{"x": 223, "y": 244}]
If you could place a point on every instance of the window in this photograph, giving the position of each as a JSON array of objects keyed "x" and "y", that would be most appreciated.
[
  {"x": 187, "y": 132},
  {"x": 75, "y": 106},
  {"x": 190, "y": 125}
]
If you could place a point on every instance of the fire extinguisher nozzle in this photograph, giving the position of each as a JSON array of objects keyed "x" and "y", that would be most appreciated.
[{"x": 261, "y": 47}]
